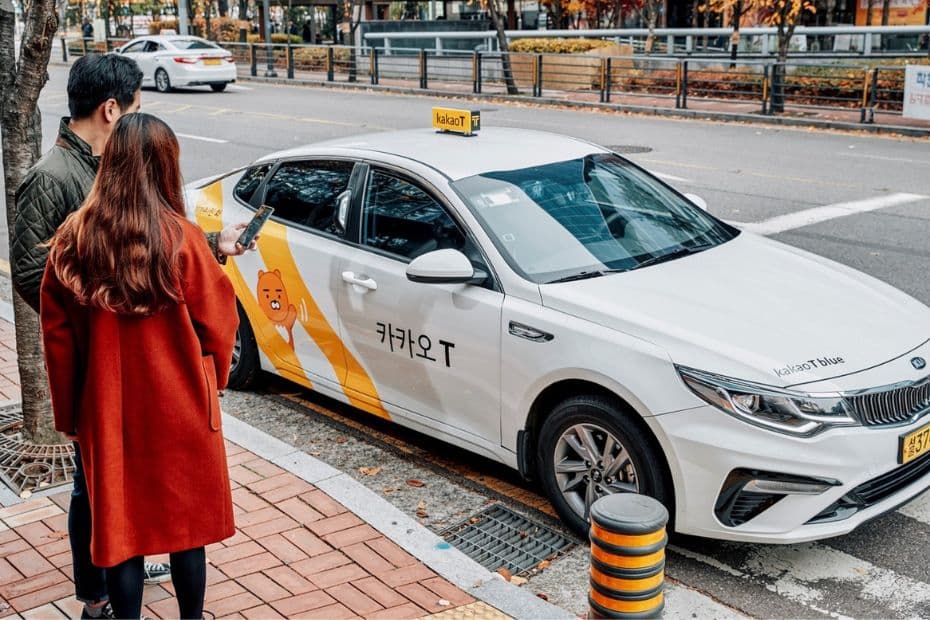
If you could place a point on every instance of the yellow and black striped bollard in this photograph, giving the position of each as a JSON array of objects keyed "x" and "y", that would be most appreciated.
[{"x": 628, "y": 541}]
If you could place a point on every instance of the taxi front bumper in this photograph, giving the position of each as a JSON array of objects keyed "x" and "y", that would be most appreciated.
[{"x": 707, "y": 449}]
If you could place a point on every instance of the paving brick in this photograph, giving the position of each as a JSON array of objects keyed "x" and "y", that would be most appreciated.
[
  {"x": 237, "y": 552},
  {"x": 354, "y": 599},
  {"x": 407, "y": 611},
  {"x": 17, "y": 509},
  {"x": 30, "y": 563},
  {"x": 240, "y": 458},
  {"x": 365, "y": 557},
  {"x": 242, "y": 475},
  {"x": 70, "y": 606},
  {"x": 299, "y": 510},
  {"x": 37, "y": 598},
  {"x": 262, "y": 612},
  {"x": 282, "y": 548},
  {"x": 7, "y": 535},
  {"x": 263, "y": 587},
  {"x": 290, "y": 580},
  {"x": 52, "y": 549},
  {"x": 236, "y": 539},
  {"x": 359, "y": 533},
  {"x": 425, "y": 598},
  {"x": 14, "y": 546},
  {"x": 259, "y": 516},
  {"x": 407, "y": 574},
  {"x": 247, "y": 500},
  {"x": 385, "y": 596},
  {"x": 167, "y": 608},
  {"x": 334, "y": 524},
  {"x": 59, "y": 523},
  {"x": 45, "y": 612},
  {"x": 286, "y": 492},
  {"x": 265, "y": 469},
  {"x": 62, "y": 559},
  {"x": 223, "y": 589},
  {"x": 290, "y": 607},
  {"x": 323, "y": 503},
  {"x": 33, "y": 516},
  {"x": 267, "y": 528},
  {"x": 391, "y": 552},
  {"x": 320, "y": 563},
  {"x": 335, "y": 576},
  {"x": 234, "y": 604},
  {"x": 446, "y": 590},
  {"x": 307, "y": 541},
  {"x": 274, "y": 482},
  {"x": 235, "y": 616},
  {"x": 36, "y": 533},
  {"x": 330, "y": 612},
  {"x": 8, "y": 573},
  {"x": 253, "y": 564}
]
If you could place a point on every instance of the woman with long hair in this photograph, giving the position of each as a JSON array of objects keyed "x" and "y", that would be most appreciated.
[{"x": 139, "y": 324}]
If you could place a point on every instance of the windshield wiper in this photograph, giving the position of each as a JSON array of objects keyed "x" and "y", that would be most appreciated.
[
  {"x": 585, "y": 275},
  {"x": 682, "y": 251}
]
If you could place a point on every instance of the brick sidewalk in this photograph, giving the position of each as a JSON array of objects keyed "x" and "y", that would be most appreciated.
[{"x": 297, "y": 553}]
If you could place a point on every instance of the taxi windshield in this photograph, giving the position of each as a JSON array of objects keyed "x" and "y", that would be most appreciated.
[{"x": 586, "y": 217}]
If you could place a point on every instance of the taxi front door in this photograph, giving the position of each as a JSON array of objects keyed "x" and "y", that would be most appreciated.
[{"x": 432, "y": 350}]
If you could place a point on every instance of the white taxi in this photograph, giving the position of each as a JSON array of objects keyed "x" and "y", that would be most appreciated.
[
  {"x": 545, "y": 303},
  {"x": 169, "y": 61}
]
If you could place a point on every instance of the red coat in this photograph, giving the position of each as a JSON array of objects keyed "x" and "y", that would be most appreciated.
[{"x": 141, "y": 393}]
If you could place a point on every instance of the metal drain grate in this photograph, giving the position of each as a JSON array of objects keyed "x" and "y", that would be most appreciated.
[
  {"x": 26, "y": 467},
  {"x": 628, "y": 149},
  {"x": 497, "y": 537}
]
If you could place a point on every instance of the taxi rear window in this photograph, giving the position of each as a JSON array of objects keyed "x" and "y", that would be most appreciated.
[{"x": 250, "y": 182}]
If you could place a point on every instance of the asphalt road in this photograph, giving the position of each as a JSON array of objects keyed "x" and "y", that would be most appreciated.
[{"x": 749, "y": 174}]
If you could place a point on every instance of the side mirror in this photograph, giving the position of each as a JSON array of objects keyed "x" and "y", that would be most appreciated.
[
  {"x": 342, "y": 210},
  {"x": 697, "y": 201},
  {"x": 444, "y": 267}
]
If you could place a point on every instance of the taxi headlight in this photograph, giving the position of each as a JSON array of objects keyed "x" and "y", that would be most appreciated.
[{"x": 782, "y": 411}]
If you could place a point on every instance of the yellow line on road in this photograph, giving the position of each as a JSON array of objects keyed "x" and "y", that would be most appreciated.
[{"x": 182, "y": 108}]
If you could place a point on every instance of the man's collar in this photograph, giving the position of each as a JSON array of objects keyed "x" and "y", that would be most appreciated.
[{"x": 69, "y": 139}]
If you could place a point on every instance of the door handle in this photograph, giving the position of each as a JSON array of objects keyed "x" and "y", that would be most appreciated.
[{"x": 351, "y": 278}]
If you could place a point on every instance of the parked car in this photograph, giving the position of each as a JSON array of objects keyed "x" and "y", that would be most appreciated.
[{"x": 169, "y": 61}]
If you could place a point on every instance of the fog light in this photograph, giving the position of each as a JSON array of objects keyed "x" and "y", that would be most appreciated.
[{"x": 786, "y": 487}]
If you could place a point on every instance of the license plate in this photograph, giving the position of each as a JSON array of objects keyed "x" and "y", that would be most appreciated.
[
  {"x": 211, "y": 61},
  {"x": 914, "y": 444}
]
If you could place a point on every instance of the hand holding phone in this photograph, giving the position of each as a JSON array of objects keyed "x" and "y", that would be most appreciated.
[{"x": 255, "y": 224}]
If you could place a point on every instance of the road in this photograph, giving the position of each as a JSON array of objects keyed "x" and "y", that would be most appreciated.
[{"x": 861, "y": 200}]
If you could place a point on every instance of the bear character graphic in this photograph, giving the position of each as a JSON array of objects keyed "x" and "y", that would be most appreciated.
[{"x": 274, "y": 302}]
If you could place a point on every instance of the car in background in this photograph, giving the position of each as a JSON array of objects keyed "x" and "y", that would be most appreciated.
[{"x": 170, "y": 61}]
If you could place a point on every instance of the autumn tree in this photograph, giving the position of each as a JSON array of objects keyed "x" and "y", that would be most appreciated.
[
  {"x": 22, "y": 77},
  {"x": 498, "y": 15}
]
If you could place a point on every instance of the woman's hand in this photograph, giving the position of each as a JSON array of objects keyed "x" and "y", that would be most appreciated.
[{"x": 228, "y": 242}]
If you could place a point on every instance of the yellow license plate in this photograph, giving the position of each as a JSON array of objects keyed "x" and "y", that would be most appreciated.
[
  {"x": 211, "y": 61},
  {"x": 914, "y": 444}
]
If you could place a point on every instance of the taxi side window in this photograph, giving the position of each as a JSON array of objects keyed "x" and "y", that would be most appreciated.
[
  {"x": 135, "y": 48},
  {"x": 306, "y": 192},
  {"x": 402, "y": 219},
  {"x": 250, "y": 182}
]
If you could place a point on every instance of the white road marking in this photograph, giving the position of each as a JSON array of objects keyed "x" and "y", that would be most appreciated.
[
  {"x": 885, "y": 158},
  {"x": 919, "y": 509},
  {"x": 237, "y": 87},
  {"x": 671, "y": 177},
  {"x": 816, "y": 215},
  {"x": 201, "y": 138},
  {"x": 685, "y": 603}
]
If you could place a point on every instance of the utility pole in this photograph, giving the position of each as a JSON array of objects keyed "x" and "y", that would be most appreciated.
[
  {"x": 183, "y": 17},
  {"x": 269, "y": 52}
]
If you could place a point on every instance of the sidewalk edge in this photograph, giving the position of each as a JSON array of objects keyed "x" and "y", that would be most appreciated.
[{"x": 447, "y": 561}]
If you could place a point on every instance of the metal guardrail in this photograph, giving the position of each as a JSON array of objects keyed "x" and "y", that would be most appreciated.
[{"x": 768, "y": 86}]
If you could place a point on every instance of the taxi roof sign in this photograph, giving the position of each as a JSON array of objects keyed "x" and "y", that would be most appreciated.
[{"x": 452, "y": 120}]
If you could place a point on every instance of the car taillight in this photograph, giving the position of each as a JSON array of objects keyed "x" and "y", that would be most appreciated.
[
  {"x": 185, "y": 60},
  {"x": 229, "y": 59}
]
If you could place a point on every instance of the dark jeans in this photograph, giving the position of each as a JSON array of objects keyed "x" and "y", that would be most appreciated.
[
  {"x": 90, "y": 584},
  {"x": 188, "y": 576}
]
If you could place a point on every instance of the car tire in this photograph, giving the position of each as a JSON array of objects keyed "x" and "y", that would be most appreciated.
[
  {"x": 643, "y": 464},
  {"x": 246, "y": 365},
  {"x": 218, "y": 88},
  {"x": 162, "y": 81}
]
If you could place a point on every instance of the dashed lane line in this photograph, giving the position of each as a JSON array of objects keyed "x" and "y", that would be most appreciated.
[{"x": 201, "y": 138}]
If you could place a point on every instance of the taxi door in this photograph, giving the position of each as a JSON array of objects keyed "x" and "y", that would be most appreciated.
[{"x": 432, "y": 350}]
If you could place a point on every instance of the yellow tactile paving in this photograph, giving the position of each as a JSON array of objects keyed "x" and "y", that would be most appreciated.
[{"x": 475, "y": 611}]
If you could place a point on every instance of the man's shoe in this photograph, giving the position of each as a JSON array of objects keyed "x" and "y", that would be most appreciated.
[
  {"x": 105, "y": 612},
  {"x": 157, "y": 572}
]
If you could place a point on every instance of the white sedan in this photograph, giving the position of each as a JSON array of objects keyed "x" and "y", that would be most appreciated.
[
  {"x": 169, "y": 61},
  {"x": 546, "y": 303}
]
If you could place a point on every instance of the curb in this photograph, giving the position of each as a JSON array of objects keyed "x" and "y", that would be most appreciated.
[{"x": 420, "y": 542}]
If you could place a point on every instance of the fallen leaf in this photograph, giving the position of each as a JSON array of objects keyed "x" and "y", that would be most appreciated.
[
  {"x": 342, "y": 439},
  {"x": 315, "y": 453},
  {"x": 26, "y": 494},
  {"x": 387, "y": 490},
  {"x": 369, "y": 471},
  {"x": 503, "y": 572},
  {"x": 543, "y": 596},
  {"x": 57, "y": 535},
  {"x": 416, "y": 483},
  {"x": 443, "y": 603},
  {"x": 544, "y": 565},
  {"x": 474, "y": 520},
  {"x": 517, "y": 581},
  {"x": 421, "y": 510},
  {"x": 524, "y": 533}
]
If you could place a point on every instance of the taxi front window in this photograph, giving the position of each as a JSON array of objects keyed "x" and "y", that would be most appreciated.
[{"x": 586, "y": 217}]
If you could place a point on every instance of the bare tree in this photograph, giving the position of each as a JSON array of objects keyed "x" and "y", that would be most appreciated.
[
  {"x": 21, "y": 80},
  {"x": 498, "y": 20}
]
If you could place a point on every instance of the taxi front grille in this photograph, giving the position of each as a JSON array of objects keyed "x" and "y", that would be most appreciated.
[{"x": 893, "y": 406}]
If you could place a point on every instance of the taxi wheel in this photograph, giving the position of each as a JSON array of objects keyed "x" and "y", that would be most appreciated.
[
  {"x": 589, "y": 447},
  {"x": 162, "y": 81},
  {"x": 218, "y": 88},
  {"x": 245, "y": 364}
]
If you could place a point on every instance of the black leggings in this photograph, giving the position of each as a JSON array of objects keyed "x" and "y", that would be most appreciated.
[{"x": 188, "y": 574}]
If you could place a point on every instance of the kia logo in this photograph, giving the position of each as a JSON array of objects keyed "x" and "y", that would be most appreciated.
[{"x": 918, "y": 362}]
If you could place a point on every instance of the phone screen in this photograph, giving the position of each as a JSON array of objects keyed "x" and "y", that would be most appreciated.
[{"x": 258, "y": 220}]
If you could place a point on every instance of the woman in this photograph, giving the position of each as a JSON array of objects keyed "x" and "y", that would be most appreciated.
[{"x": 139, "y": 323}]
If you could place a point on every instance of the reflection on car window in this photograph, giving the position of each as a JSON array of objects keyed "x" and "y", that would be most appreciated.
[
  {"x": 401, "y": 218},
  {"x": 250, "y": 182},
  {"x": 586, "y": 215},
  {"x": 135, "y": 48},
  {"x": 193, "y": 44},
  {"x": 305, "y": 192}
]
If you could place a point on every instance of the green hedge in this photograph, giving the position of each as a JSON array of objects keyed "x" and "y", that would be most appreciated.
[{"x": 557, "y": 46}]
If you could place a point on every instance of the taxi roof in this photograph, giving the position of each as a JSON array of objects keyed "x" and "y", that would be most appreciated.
[{"x": 455, "y": 156}]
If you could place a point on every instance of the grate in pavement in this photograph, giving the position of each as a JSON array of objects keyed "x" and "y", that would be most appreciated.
[
  {"x": 628, "y": 149},
  {"x": 27, "y": 467},
  {"x": 497, "y": 537}
]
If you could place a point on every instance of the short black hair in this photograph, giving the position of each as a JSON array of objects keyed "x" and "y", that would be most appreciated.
[{"x": 94, "y": 78}]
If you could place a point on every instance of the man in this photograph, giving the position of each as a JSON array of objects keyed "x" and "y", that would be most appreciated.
[{"x": 101, "y": 89}]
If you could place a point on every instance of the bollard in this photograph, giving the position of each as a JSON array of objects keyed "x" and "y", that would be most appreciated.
[{"x": 627, "y": 557}]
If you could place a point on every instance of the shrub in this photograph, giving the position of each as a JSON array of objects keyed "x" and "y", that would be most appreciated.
[
  {"x": 277, "y": 37},
  {"x": 557, "y": 46},
  {"x": 164, "y": 24}
]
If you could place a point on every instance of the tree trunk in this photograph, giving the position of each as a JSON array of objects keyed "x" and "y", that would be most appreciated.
[
  {"x": 886, "y": 6},
  {"x": 223, "y": 7},
  {"x": 779, "y": 71},
  {"x": 21, "y": 81},
  {"x": 652, "y": 18},
  {"x": 498, "y": 23},
  {"x": 734, "y": 39},
  {"x": 868, "y": 14}
]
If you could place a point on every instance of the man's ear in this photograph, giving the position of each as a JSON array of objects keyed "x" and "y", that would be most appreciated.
[{"x": 111, "y": 110}]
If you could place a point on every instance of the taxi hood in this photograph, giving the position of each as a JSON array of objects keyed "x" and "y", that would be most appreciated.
[{"x": 754, "y": 309}]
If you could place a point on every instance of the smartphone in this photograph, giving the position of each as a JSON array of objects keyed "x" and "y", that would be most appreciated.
[{"x": 258, "y": 220}]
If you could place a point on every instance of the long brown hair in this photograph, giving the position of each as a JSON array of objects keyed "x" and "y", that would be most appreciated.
[{"x": 119, "y": 251}]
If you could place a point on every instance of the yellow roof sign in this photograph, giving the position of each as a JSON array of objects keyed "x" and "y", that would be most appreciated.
[{"x": 465, "y": 122}]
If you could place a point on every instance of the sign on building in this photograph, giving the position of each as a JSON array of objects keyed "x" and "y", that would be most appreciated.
[
  {"x": 900, "y": 12},
  {"x": 917, "y": 91}
]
